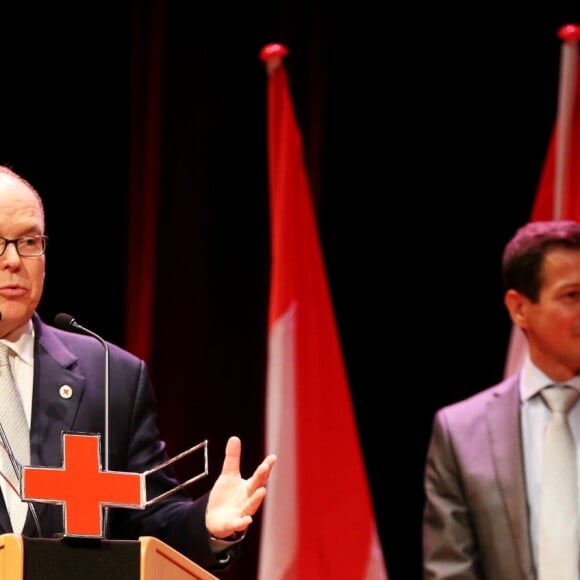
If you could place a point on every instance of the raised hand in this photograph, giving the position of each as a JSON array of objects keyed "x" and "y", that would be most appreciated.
[{"x": 234, "y": 500}]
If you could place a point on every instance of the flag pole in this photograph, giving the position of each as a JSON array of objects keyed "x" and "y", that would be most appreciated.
[
  {"x": 554, "y": 199},
  {"x": 569, "y": 34}
]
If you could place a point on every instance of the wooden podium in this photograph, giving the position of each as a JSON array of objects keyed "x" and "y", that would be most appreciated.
[{"x": 148, "y": 558}]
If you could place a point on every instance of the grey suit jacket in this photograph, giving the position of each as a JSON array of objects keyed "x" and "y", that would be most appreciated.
[
  {"x": 65, "y": 358},
  {"x": 476, "y": 521}
]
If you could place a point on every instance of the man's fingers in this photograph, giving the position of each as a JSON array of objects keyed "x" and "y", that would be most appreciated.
[
  {"x": 254, "y": 502},
  {"x": 231, "y": 465},
  {"x": 261, "y": 475}
]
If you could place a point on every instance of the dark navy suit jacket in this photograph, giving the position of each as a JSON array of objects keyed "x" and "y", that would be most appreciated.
[{"x": 66, "y": 358}]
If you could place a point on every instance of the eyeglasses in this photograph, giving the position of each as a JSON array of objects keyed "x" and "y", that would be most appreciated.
[{"x": 26, "y": 246}]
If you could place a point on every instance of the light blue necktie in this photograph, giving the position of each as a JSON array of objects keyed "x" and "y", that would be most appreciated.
[{"x": 15, "y": 426}]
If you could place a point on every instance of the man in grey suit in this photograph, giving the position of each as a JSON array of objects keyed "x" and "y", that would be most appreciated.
[
  {"x": 60, "y": 377},
  {"x": 483, "y": 471}
]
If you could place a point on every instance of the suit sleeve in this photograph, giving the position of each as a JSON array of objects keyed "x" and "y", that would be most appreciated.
[
  {"x": 449, "y": 542},
  {"x": 177, "y": 520}
]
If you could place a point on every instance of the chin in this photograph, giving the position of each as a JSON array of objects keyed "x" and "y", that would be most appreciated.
[{"x": 15, "y": 314}]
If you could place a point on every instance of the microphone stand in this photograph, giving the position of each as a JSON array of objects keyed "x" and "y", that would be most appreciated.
[{"x": 63, "y": 321}]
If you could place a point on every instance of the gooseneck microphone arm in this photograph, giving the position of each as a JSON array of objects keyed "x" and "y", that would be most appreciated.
[{"x": 67, "y": 322}]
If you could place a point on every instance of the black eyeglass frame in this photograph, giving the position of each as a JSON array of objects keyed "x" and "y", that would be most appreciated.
[{"x": 6, "y": 242}]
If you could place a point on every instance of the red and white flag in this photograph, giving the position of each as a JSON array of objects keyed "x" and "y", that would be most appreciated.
[
  {"x": 558, "y": 193},
  {"x": 318, "y": 520}
]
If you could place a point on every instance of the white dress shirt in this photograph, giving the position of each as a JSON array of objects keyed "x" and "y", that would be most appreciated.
[{"x": 535, "y": 416}]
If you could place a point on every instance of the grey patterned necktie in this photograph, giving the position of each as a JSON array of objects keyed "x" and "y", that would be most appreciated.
[
  {"x": 558, "y": 532},
  {"x": 15, "y": 426}
]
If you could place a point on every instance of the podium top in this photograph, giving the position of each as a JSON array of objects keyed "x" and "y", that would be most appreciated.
[{"x": 56, "y": 559}]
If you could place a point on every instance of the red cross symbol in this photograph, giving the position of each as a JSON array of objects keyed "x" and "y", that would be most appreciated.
[{"x": 82, "y": 487}]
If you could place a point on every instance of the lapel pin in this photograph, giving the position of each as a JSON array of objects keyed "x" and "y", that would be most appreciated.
[{"x": 65, "y": 391}]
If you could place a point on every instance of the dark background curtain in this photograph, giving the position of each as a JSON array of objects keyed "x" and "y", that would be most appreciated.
[{"x": 142, "y": 125}]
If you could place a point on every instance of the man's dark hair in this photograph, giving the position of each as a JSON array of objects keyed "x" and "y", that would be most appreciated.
[{"x": 523, "y": 256}]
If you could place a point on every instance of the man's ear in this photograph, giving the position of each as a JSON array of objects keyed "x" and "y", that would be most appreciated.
[{"x": 517, "y": 304}]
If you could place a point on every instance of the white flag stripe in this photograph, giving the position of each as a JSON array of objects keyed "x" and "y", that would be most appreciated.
[{"x": 281, "y": 440}]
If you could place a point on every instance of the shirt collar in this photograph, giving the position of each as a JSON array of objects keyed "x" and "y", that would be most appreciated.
[{"x": 533, "y": 380}]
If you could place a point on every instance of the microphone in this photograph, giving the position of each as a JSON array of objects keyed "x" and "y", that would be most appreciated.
[{"x": 67, "y": 322}]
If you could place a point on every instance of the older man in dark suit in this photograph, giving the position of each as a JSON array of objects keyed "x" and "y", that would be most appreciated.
[{"x": 60, "y": 378}]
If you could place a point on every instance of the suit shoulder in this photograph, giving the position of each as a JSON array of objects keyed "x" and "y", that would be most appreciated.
[
  {"x": 57, "y": 341},
  {"x": 479, "y": 401}
]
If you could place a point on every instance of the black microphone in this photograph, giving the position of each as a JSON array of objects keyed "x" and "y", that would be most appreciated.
[{"x": 67, "y": 322}]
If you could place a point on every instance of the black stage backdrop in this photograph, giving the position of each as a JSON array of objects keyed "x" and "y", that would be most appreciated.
[{"x": 425, "y": 131}]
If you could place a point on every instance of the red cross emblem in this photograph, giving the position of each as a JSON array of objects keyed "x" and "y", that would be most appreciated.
[{"x": 82, "y": 486}]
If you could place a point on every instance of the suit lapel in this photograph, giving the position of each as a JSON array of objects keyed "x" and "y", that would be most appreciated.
[
  {"x": 57, "y": 393},
  {"x": 505, "y": 436}
]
